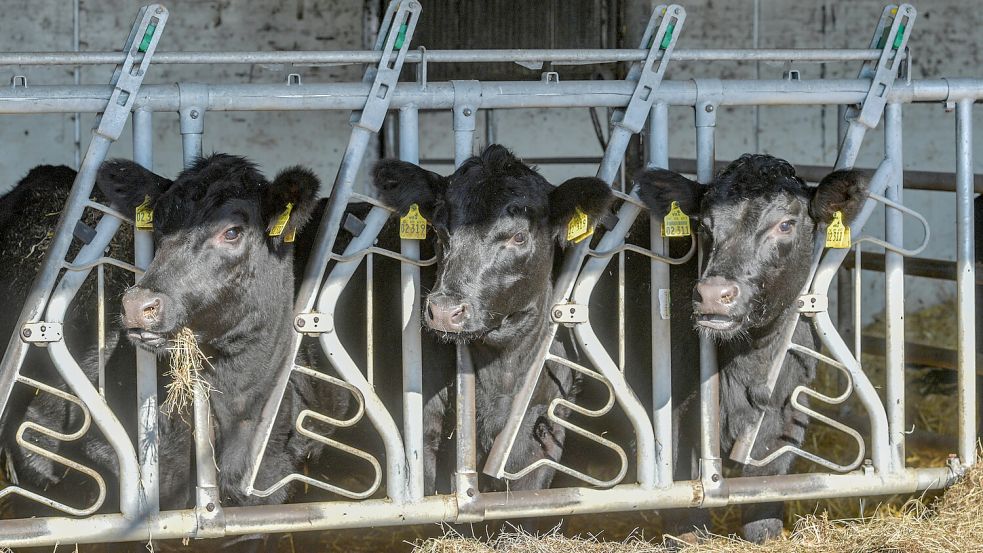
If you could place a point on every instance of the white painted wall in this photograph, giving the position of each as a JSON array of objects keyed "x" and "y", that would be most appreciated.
[{"x": 944, "y": 43}]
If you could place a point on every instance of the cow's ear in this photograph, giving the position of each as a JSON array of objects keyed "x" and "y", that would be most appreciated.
[
  {"x": 401, "y": 184},
  {"x": 297, "y": 187},
  {"x": 843, "y": 191},
  {"x": 127, "y": 184},
  {"x": 658, "y": 188},
  {"x": 588, "y": 195}
]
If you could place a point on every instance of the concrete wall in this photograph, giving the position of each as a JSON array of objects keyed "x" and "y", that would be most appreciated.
[{"x": 943, "y": 43}]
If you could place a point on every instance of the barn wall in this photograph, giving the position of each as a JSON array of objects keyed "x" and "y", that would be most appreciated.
[{"x": 945, "y": 39}]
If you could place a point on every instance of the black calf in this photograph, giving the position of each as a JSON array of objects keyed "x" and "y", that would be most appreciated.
[
  {"x": 759, "y": 225},
  {"x": 498, "y": 223},
  {"x": 219, "y": 272}
]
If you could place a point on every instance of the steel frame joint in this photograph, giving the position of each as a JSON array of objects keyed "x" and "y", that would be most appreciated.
[
  {"x": 709, "y": 93},
  {"x": 192, "y": 99},
  {"x": 467, "y": 100}
]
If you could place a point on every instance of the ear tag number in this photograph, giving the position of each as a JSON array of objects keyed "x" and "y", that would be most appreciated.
[
  {"x": 676, "y": 223},
  {"x": 838, "y": 234},
  {"x": 413, "y": 226},
  {"x": 144, "y": 215},
  {"x": 281, "y": 222},
  {"x": 579, "y": 228}
]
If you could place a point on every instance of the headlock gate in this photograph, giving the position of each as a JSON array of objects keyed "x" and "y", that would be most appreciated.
[{"x": 640, "y": 104}]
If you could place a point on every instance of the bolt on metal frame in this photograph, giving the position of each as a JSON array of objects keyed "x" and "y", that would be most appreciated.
[{"x": 139, "y": 518}]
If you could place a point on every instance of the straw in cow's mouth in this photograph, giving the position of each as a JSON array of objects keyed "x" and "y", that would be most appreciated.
[{"x": 187, "y": 362}]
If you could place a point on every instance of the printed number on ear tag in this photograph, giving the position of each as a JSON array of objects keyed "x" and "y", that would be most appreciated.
[
  {"x": 413, "y": 226},
  {"x": 579, "y": 227},
  {"x": 676, "y": 223},
  {"x": 144, "y": 215},
  {"x": 838, "y": 234}
]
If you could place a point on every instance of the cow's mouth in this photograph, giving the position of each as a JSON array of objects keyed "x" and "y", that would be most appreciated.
[
  {"x": 720, "y": 323},
  {"x": 146, "y": 339}
]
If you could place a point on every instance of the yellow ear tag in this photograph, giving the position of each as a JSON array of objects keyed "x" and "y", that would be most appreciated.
[
  {"x": 290, "y": 236},
  {"x": 413, "y": 226},
  {"x": 578, "y": 229},
  {"x": 144, "y": 215},
  {"x": 837, "y": 234},
  {"x": 676, "y": 223},
  {"x": 281, "y": 222}
]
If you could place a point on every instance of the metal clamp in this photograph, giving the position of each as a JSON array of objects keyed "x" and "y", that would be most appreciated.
[
  {"x": 400, "y": 19},
  {"x": 127, "y": 79},
  {"x": 892, "y": 41},
  {"x": 314, "y": 323},
  {"x": 660, "y": 44},
  {"x": 41, "y": 332}
]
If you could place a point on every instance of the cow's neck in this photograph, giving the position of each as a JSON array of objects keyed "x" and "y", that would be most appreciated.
[
  {"x": 246, "y": 358},
  {"x": 754, "y": 355},
  {"x": 507, "y": 361}
]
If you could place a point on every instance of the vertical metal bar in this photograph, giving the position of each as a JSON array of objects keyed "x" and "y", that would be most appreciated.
[
  {"x": 844, "y": 292},
  {"x": 710, "y": 464},
  {"x": 658, "y": 154},
  {"x": 369, "y": 321},
  {"x": 77, "y": 77},
  {"x": 491, "y": 127},
  {"x": 143, "y": 253},
  {"x": 101, "y": 326},
  {"x": 857, "y": 301},
  {"x": 621, "y": 292},
  {"x": 894, "y": 292},
  {"x": 207, "y": 498},
  {"x": 755, "y": 34},
  {"x": 466, "y": 474},
  {"x": 965, "y": 282},
  {"x": 409, "y": 277}
]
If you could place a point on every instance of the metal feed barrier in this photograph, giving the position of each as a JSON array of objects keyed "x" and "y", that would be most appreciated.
[{"x": 643, "y": 96}]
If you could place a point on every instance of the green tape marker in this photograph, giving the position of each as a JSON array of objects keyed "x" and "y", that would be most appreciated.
[
  {"x": 898, "y": 39},
  {"x": 145, "y": 43},
  {"x": 400, "y": 37},
  {"x": 667, "y": 38}
]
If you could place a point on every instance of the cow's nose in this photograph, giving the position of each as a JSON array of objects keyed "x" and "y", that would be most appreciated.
[
  {"x": 446, "y": 314},
  {"x": 142, "y": 308},
  {"x": 715, "y": 295}
]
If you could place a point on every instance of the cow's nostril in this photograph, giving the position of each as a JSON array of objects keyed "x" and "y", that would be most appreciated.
[
  {"x": 459, "y": 314},
  {"x": 728, "y": 294},
  {"x": 151, "y": 310}
]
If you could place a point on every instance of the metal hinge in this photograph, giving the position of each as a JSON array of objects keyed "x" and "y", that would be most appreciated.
[
  {"x": 313, "y": 323},
  {"x": 41, "y": 332},
  {"x": 813, "y": 303},
  {"x": 569, "y": 313}
]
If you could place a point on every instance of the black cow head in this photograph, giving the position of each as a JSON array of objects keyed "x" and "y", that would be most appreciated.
[
  {"x": 217, "y": 269},
  {"x": 759, "y": 222},
  {"x": 497, "y": 222}
]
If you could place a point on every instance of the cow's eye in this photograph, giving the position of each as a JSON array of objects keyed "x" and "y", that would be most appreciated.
[
  {"x": 786, "y": 226},
  {"x": 518, "y": 238},
  {"x": 232, "y": 234}
]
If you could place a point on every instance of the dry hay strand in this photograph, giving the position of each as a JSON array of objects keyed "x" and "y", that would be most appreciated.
[
  {"x": 517, "y": 541},
  {"x": 187, "y": 363},
  {"x": 952, "y": 522}
]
